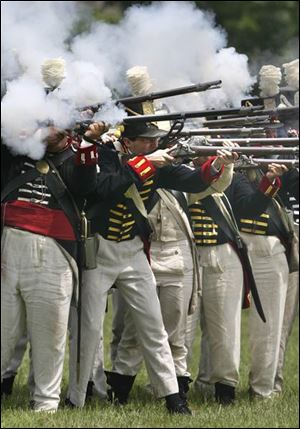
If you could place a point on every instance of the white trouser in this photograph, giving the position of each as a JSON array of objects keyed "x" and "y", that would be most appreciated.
[
  {"x": 271, "y": 273},
  {"x": 97, "y": 373},
  {"x": 193, "y": 323},
  {"x": 196, "y": 320},
  {"x": 16, "y": 362},
  {"x": 222, "y": 291},
  {"x": 174, "y": 290},
  {"x": 37, "y": 283},
  {"x": 119, "y": 309},
  {"x": 125, "y": 265},
  {"x": 290, "y": 312},
  {"x": 17, "y": 358}
]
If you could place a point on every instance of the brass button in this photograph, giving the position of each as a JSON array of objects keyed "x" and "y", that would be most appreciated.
[{"x": 42, "y": 166}]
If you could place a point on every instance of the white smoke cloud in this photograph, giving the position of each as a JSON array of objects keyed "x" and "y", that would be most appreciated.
[
  {"x": 178, "y": 43},
  {"x": 24, "y": 108},
  {"x": 35, "y": 30},
  {"x": 110, "y": 114},
  {"x": 84, "y": 84}
]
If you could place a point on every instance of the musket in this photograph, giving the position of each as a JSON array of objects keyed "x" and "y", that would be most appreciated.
[
  {"x": 280, "y": 141},
  {"x": 259, "y": 131},
  {"x": 199, "y": 87},
  {"x": 242, "y": 121},
  {"x": 185, "y": 150},
  {"x": 190, "y": 115},
  {"x": 280, "y": 112},
  {"x": 245, "y": 162}
]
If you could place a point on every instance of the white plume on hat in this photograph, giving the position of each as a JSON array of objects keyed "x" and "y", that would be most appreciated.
[
  {"x": 269, "y": 79},
  {"x": 139, "y": 80},
  {"x": 53, "y": 72},
  {"x": 291, "y": 73}
]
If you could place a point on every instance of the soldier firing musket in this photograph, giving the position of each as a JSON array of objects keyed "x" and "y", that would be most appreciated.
[
  {"x": 186, "y": 150},
  {"x": 245, "y": 162},
  {"x": 199, "y": 87}
]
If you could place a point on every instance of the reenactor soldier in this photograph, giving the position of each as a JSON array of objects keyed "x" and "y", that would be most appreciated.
[
  {"x": 40, "y": 254},
  {"x": 118, "y": 215}
]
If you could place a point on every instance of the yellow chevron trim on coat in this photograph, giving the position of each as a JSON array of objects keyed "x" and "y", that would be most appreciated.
[
  {"x": 125, "y": 237},
  {"x": 140, "y": 163},
  {"x": 253, "y": 231},
  {"x": 254, "y": 222},
  {"x": 113, "y": 229},
  {"x": 119, "y": 222},
  {"x": 116, "y": 213},
  {"x": 206, "y": 241},
  {"x": 148, "y": 183},
  {"x": 146, "y": 191},
  {"x": 142, "y": 173},
  {"x": 128, "y": 223}
]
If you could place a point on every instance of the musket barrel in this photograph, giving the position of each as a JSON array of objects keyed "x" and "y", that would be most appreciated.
[
  {"x": 261, "y": 162},
  {"x": 188, "y": 115},
  {"x": 212, "y": 150},
  {"x": 278, "y": 112},
  {"x": 222, "y": 131},
  {"x": 172, "y": 92},
  {"x": 248, "y": 120},
  {"x": 267, "y": 161},
  {"x": 283, "y": 141}
]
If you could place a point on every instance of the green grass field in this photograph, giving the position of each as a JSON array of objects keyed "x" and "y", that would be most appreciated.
[{"x": 143, "y": 411}]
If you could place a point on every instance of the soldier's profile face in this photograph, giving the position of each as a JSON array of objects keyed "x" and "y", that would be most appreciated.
[{"x": 142, "y": 145}]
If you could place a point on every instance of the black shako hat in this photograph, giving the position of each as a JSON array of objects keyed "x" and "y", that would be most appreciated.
[{"x": 140, "y": 129}]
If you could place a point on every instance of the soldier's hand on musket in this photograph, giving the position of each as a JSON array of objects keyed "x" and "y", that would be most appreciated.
[
  {"x": 226, "y": 156},
  {"x": 95, "y": 130},
  {"x": 160, "y": 158},
  {"x": 109, "y": 137},
  {"x": 292, "y": 132},
  {"x": 275, "y": 170}
]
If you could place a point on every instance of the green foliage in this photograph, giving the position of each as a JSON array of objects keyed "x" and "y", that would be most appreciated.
[
  {"x": 256, "y": 25},
  {"x": 144, "y": 411},
  {"x": 252, "y": 26}
]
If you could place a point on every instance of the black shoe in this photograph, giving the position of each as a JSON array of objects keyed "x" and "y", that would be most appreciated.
[
  {"x": 183, "y": 385},
  {"x": 7, "y": 385},
  {"x": 116, "y": 398},
  {"x": 121, "y": 386},
  {"x": 69, "y": 404},
  {"x": 224, "y": 394},
  {"x": 175, "y": 405},
  {"x": 89, "y": 391}
]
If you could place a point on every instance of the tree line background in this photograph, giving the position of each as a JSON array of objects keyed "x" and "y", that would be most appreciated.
[{"x": 266, "y": 31}]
